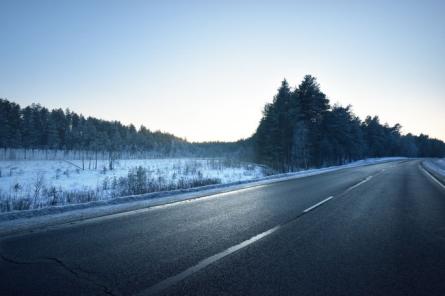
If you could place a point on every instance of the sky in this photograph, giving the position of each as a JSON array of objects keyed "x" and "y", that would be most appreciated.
[{"x": 203, "y": 70}]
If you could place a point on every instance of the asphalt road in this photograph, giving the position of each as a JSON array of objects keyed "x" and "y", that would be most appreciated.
[{"x": 374, "y": 230}]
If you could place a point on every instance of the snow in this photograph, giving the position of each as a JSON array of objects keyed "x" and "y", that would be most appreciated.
[
  {"x": 18, "y": 179},
  {"x": 68, "y": 176},
  {"x": 436, "y": 165},
  {"x": 20, "y": 220}
]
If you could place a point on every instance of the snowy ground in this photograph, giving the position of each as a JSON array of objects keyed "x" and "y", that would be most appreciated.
[
  {"x": 68, "y": 176},
  {"x": 436, "y": 165},
  {"x": 30, "y": 184}
]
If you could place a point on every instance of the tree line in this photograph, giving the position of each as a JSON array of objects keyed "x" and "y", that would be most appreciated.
[
  {"x": 36, "y": 127},
  {"x": 300, "y": 129}
]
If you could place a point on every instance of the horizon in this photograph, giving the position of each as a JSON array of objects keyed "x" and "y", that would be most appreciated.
[
  {"x": 190, "y": 141},
  {"x": 203, "y": 72}
]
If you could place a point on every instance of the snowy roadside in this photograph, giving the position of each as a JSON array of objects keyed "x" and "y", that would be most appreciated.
[
  {"x": 12, "y": 222},
  {"x": 436, "y": 167},
  {"x": 36, "y": 184}
]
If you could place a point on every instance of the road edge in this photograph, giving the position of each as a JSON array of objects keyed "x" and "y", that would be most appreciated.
[
  {"x": 141, "y": 203},
  {"x": 433, "y": 174}
]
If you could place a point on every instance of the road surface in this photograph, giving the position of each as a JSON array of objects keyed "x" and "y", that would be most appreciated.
[{"x": 373, "y": 230}]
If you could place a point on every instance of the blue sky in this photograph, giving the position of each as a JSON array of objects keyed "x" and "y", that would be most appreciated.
[{"x": 204, "y": 69}]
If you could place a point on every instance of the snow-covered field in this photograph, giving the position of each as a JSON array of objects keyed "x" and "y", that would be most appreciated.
[{"x": 31, "y": 184}]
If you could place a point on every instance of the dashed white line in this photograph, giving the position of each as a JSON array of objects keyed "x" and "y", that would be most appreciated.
[
  {"x": 318, "y": 204},
  {"x": 204, "y": 263},
  {"x": 358, "y": 184}
]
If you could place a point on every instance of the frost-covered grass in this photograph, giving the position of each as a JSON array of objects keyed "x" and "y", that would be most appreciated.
[{"x": 33, "y": 184}]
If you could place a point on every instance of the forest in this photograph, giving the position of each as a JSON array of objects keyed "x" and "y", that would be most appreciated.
[
  {"x": 37, "y": 128},
  {"x": 298, "y": 130}
]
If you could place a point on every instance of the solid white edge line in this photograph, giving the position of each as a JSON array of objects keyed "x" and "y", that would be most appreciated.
[
  {"x": 432, "y": 177},
  {"x": 318, "y": 204}
]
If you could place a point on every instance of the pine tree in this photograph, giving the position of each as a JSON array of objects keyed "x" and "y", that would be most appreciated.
[
  {"x": 312, "y": 107},
  {"x": 274, "y": 131}
]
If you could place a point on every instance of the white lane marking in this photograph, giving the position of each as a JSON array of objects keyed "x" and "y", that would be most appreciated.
[
  {"x": 358, "y": 184},
  {"x": 318, "y": 204},
  {"x": 204, "y": 263},
  {"x": 431, "y": 177}
]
